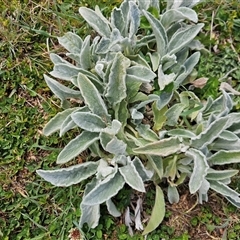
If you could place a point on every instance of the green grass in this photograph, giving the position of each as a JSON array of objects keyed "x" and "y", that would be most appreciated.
[{"x": 30, "y": 208}]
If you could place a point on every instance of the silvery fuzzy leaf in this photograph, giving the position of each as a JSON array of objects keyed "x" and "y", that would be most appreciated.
[
  {"x": 155, "y": 60},
  {"x": 228, "y": 135},
  {"x": 173, "y": 114},
  {"x": 132, "y": 177},
  {"x": 71, "y": 41},
  {"x": 122, "y": 112},
  {"x": 104, "y": 170},
  {"x": 116, "y": 146},
  {"x": 138, "y": 60},
  {"x": 159, "y": 32},
  {"x": 120, "y": 160},
  {"x": 92, "y": 97},
  {"x": 135, "y": 114},
  {"x": 137, "y": 213},
  {"x": 157, "y": 164},
  {"x": 97, "y": 22},
  {"x": 88, "y": 121},
  {"x": 57, "y": 59},
  {"x": 203, "y": 191},
  {"x": 196, "y": 45},
  {"x": 210, "y": 133},
  {"x": 117, "y": 20},
  {"x": 184, "y": 133},
  {"x": 168, "y": 61},
  {"x": 56, "y": 122},
  {"x": 114, "y": 128},
  {"x": 164, "y": 99},
  {"x": 116, "y": 88},
  {"x": 105, "y": 190},
  {"x": 188, "y": 66},
  {"x": 158, "y": 212},
  {"x": 142, "y": 171},
  {"x": 68, "y": 123},
  {"x": 143, "y": 4},
  {"x": 151, "y": 98},
  {"x": 134, "y": 15},
  {"x": 162, "y": 148},
  {"x": 145, "y": 41},
  {"x": 220, "y": 174},
  {"x": 145, "y": 132},
  {"x": 221, "y": 144},
  {"x": 65, "y": 71},
  {"x": 112, "y": 144},
  {"x": 89, "y": 214},
  {"x": 85, "y": 57},
  {"x": 224, "y": 190},
  {"x": 70, "y": 175},
  {"x": 199, "y": 171},
  {"x": 77, "y": 146},
  {"x": 223, "y": 157},
  {"x": 173, "y": 195},
  {"x": 235, "y": 202},
  {"x": 99, "y": 69},
  {"x": 140, "y": 73},
  {"x": 179, "y": 14},
  {"x": 182, "y": 38},
  {"x": 164, "y": 79},
  {"x": 112, "y": 208},
  {"x": 103, "y": 46}
]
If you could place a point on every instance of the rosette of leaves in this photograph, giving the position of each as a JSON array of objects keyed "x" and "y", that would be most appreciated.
[{"x": 127, "y": 82}]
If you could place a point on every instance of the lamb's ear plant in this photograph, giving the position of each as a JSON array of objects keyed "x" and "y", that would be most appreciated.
[{"x": 135, "y": 117}]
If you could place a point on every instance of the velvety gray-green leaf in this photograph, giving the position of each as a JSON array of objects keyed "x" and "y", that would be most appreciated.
[
  {"x": 158, "y": 212},
  {"x": 180, "y": 14},
  {"x": 85, "y": 55},
  {"x": 181, "y": 133},
  {"x": 71, "y": 41},
  {"x": 141, "y": 73},
  {"x": 89, "y": 121},
  {"x": 162, "y": 148},
  {"x": 56, "y": 122},
  {"x": 61, "y": 91},
  {"x": 116, "y": 88},
  {"x": 95, "y": 21},
  {"x": 92, "y": 97},
  {"x": 76, "y": 146},
  {"x": 224, "y": 189},
  {"x": 134, "y": 15},
  {"x": 65, "y": 71},
  {"x": 182, "y": 38},
  {"x": 159, "y": 32},
  {"x": 142, "y": 171},
  {"x": 199, "y": 170},
  {"x": 112, "y": 208},
  {"x": 156, "y": 163},
  {"x": 223, "y": 157},
  {"x": 89, "y": 214},
  {"x": 69, "y": 176},
  {"x": 117, "y": 19},
  {"x": 105, "y": 190},
  {"x": 220, "y": 174},
  {"x": 145, "y": 132},
  {"x": 210, "y": 133},
  {"x": 132, "y": 178},
  {"x": 173, "y": 195}
]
